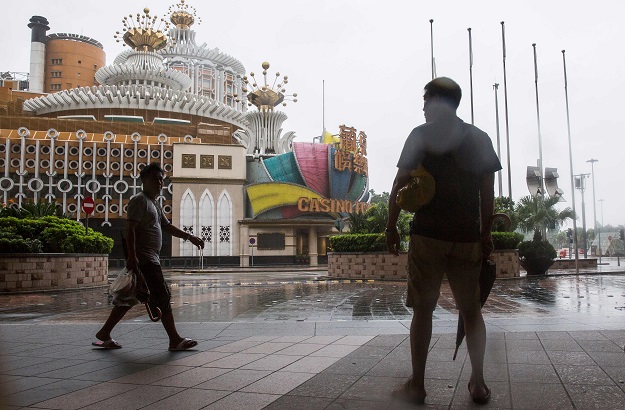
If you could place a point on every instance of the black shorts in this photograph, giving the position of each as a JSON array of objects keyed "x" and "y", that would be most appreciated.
[{"x": 160, "y": 295}]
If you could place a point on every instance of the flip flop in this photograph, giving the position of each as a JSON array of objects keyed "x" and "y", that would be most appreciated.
[
  {"x": 480, "y": 400},
  {"x": 185, "y": 344},
  {"x": 107, "y": 344}
]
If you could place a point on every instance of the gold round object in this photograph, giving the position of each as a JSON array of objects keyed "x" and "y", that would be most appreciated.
[
  {"x": 265, "y": 65},
  {"x": 146, "y": 10}
]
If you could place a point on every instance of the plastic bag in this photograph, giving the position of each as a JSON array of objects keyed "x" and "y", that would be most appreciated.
[
  {"x": 124, "y": 289},
  {"x": 123, "y": 283},
  {"x": 418, "y": 192}
]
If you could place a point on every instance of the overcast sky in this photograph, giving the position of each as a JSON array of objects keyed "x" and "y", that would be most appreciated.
[{"x": 375, "y": 59}]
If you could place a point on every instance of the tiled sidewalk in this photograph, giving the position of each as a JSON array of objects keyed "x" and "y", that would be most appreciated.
[{"x": 289, "y": 365}]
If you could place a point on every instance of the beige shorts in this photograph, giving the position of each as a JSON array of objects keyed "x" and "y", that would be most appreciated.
[{"x": 429, "y": 259}]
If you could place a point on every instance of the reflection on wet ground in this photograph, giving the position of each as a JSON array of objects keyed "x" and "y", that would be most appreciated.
[{"x": 306, "y": 298}]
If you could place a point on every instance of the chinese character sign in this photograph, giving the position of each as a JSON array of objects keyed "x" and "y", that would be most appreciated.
[
  {"x": 352, "y": 151},
  {"x": 347, "y": 138}
]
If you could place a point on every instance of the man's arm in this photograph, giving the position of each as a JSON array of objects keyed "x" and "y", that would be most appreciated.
[
  {"x": 392, "y": 236},
  {"x": 132, "y": 263},
  {"x": 487, "y": 208},
  {"x": 179, "y": 233}
]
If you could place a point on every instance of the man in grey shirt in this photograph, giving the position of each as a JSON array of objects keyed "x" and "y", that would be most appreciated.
[
  {"x": 145, "y": 225},
  {"x": 450, "y": 234}
]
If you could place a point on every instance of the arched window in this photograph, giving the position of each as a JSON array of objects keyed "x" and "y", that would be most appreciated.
[
  {"x": 188, "y": 223},
  {"x": 224, "y": 225},
  {"x": 207, "y": 223}
]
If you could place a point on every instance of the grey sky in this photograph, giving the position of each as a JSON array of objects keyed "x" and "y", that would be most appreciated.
[{"x": 375, "y": 58}]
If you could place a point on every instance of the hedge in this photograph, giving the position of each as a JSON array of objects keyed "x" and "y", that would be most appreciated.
[
  {"x": 377, "y": 242},
  {"x": 368, "y": 242},
  {"x": 506, "y": 240},
  {"x": 50, "y": 234}
]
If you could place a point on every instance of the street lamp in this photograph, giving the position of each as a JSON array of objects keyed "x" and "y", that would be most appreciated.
[
  {"x": 580, "y": 183},
  {"x": 601, "y": 201},
  {"x": 594, "y": 203}
]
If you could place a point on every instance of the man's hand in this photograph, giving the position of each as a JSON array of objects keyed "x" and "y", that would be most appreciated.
[
  {"x": 196, "y": 241},
  {"x": 132, "y": 264},
  {"x": 393, "y": 242},
  {"x": 487, "y": 246}
]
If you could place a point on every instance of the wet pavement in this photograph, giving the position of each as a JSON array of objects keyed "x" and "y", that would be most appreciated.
[
  {"x": 294, "y": 339},
  {"x": 309, "y": 296}
]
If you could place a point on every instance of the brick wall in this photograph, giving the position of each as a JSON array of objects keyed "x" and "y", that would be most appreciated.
[
  {"x": 507, "y": 263},
  {"x": 374, "y": 265},
  {"x": 584, "y": 263},
  {"x": 32, "y": 272}
]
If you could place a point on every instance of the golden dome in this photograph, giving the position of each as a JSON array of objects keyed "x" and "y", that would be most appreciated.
[
  {"x": 182, "y": 15},
  {"x": 264, "y": 96},
  {"x": 143, "y": 32}
]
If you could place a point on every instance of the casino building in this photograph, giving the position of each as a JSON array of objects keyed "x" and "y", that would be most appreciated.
[{"x": 252, "y": 192}]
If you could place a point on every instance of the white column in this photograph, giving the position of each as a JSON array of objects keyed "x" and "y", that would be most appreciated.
[
  {"x": 312, "y": 246},
  {"x": 244, "y": 255},
  {"x": 37, "y": 66}
]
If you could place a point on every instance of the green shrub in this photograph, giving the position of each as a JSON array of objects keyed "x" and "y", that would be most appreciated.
[
  {"x": 50, "y": 234},
  {"x": 19, "y": 245},
  {"x": 536, "y": 250},
  {"x": 358, "y": 243},
  {"x": 506, "y": 240}
]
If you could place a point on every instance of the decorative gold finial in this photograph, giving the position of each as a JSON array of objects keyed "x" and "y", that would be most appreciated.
[
  {"x": 183, "y": 16},
  {"x": 144, "y": 32},
  {"x": 266, "y": 97}
]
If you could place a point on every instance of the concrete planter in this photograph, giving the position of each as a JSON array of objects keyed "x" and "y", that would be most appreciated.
[
  {"x": 52, "y": 271},
  {"x": 368, "y": 265},
  {"x": 507, "y": 262}
]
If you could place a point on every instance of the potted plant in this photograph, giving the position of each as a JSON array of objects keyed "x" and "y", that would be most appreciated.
[{"x": 537, "y": 255}]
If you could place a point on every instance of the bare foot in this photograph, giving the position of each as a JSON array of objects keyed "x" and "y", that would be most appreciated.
[
  {"x": 102, "y": 336},
  {"x": 410, "y": 393},
  {"x": 480, "y": 394}
]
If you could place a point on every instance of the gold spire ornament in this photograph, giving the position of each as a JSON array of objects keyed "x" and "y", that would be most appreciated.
[
  {"x": 143, "y": 32},
  {"x": 183, "y": 16},
  {"x": 267, "y": 97}
]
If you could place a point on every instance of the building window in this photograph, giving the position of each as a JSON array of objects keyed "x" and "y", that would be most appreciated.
[
  {"x": 271, "y": 241},
  {"x": 206, "y": 82},
  {"x": 55, "y": 87},
  {"x": 55, "y": 74},
  {"x": 57, "y": 61},
  {"x": 229, "y": 89}
]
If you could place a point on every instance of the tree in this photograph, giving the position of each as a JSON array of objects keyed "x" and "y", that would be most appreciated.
[{"x": 538, "y": 214}]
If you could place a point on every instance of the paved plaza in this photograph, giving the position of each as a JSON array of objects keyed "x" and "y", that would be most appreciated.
[{"x": 295, "y": 339}]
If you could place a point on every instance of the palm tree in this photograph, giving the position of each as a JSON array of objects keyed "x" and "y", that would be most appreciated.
[{"x": 539, "y": 214}]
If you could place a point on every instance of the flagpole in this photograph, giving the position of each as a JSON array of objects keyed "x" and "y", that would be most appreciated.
[
  {"x": 540, "y": 140},
  {"x": 496, "y": 88},
  {"x": 432, "y": 47},
  {"x": 505, "y": 95},
  {"x": 471, "y": 73},
  {"x": 568, "y": 126}
]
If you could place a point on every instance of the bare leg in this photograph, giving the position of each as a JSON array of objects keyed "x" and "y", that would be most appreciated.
[
  {"x": 420, "y": 335},
  {"x": 170, "y": 327},
  {"x": 476, "y": 344},
  {"x": 117, "y": 313}
]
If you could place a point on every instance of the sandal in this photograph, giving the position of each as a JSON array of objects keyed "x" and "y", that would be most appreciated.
[
  {"x": 107, "y": 344},
  {"x": 406, "y": 393},
  {"x": 185, "y": 344}
]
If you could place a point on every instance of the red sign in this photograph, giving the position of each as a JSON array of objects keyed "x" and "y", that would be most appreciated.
[{"x": 88, "y": 205}]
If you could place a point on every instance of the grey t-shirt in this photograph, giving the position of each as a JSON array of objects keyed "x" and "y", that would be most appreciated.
[
  {"x": 457, "y": 155},
  {"x": 149, "y": 234}
]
